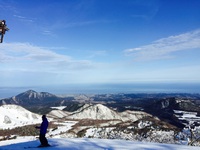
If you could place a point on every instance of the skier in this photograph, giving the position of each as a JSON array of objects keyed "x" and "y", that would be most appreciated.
[{"x": 43, "y": 131}]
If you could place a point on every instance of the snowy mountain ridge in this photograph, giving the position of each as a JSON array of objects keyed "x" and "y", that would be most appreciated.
[
  {"x": 85, "y": 116},
  {"x": 58, "y": 114},
  {"x": 15, "y": 115},
  {"x": 96, "y": 111},
  {"x": 99, "y": 112},
  {"x": 30, "y": 98},
  {"x": 31, "y": 94},
  {"x": 93, "y": 125},
  {"x": 12, "y": 116}
]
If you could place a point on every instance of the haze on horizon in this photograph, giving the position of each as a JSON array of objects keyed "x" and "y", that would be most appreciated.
[{"x": 99, "y": 41}]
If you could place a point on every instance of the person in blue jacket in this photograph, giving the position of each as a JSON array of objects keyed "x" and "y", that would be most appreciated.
[{"x": 43, "y": 130}]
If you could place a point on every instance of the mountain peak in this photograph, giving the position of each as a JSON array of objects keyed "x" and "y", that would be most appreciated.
[
  {"x": 30, "y": 97},
  {"x": 30, "y": 94},
  {"x": 30, "y": 91},
  {"x": 97, "y": 111}
]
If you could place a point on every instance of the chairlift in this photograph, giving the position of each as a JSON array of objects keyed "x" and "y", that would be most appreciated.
[{"x": 3, "y": 29}]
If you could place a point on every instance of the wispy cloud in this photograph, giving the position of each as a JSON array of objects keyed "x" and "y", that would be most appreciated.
[
  {"x": 165, "y": 47},
  {"x": 48, "y": 33},
  {"x": 30, "y": 57},
  {"x": 8, "y": 7},
  {"x": 25, "y": 19},
  {"x": 63, "y": 24},
  {"x": 27, "y": 64},
  {"x": 52, "y": 28}
]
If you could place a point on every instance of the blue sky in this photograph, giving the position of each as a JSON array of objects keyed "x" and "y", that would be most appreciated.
[{"x": 99, "y": 41}]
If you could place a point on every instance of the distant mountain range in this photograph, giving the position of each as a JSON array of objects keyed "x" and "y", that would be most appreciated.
[
  {"x": 165, "y": 109},
  {"x": 30, "y": 97},
  {"x": 160, "y": 105},
  {"x": 38, "y": 102},
  {"x": 125, "y": 116},
  {"x": 99, "y": 112},
  {"x": 14, "y": 115},
  {"x": 90, "y": 120}
]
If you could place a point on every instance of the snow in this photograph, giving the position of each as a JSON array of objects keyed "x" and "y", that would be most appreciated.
[
  {"x": 101, "y": 112},
  {"x": 88, "y": 144},
  {"x": 95, "y": 132},
  {"x": 97, "y": 111},
  {"x": 132, "y": 115},
  {"x": 143, "y": 124},
  {"x": 60, "y": 140},
  {"x": 59, "y": 108},
  {"x": 186, "y": 115},
  {"x": 58, "y": 114},
  {"x": 65, "y": 126},
  {"x": 12, "y": 116}
]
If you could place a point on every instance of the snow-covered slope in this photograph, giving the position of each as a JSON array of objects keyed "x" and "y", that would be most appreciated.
[
  {"x": 89, "y": 144},
  {"x": 58, "y": 114},
  {"x": 12, "y": 116},
  {"x": 59, "y": 107},
  {"x": 133, "y": 115},
  {"x": 97, "y": 111}
]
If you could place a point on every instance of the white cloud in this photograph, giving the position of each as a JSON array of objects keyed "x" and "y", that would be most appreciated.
[
  {"x": 25, "y": 19},
  {"x": 26, "y": 64},
  {"x": 164, "y": 48},
  {"x": 29, "y": 57}
]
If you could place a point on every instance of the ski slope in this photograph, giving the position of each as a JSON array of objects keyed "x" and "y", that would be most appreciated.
[{"x": 88, "y": 144}]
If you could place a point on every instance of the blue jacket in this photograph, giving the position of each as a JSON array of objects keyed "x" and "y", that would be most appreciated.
[{"x": 44, "y": 126}]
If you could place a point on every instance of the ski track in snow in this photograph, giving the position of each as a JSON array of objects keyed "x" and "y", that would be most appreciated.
[{"x": 89, "y": 144}]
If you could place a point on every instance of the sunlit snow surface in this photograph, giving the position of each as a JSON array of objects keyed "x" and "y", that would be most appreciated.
[
  {"x": 88, "y": 144},
  {"x": 59, "y": 108},
  {"x": 12, "y": 116},
  {"x": 65, "y": 126}
]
